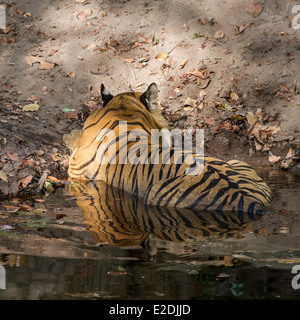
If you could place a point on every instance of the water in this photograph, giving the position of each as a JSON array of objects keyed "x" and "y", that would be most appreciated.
[{"x": 102, "y": 247}]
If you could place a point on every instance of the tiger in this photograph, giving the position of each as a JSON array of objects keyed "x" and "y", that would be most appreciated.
[
  {"x": 115, "y": 218},
  {"x": 99, "y": 152}
]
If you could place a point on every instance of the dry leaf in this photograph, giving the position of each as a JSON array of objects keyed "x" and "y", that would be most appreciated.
[
  {"x": 53, "y": 179},
  {"x": 269, "y": 130},
  {"x": 142, "y": 37},
  {"x": 6, "y": 29},
  {"x": 91, "y": 46},
  {"x": 161, "y": 57},
  {"x": 83, "y": 15},
  {"x": 251, "y": 118},
  {"x": 190, "y": 103},
  {"x": 25, "y": 181},
  {"x": 219, "y": 35},
  {"x": 46, "y": 65},
  {"x": 265, "y": 231},
  {"x": 55, "y": 157},
  {"x": 234, "y": 96},
  {"x": 3, "y": 176},
  {"x": 223, "y": 93},
  {"x": 20, "y": 12},
  {"x": 202, "y": 93},
  {"x": 71, "y": 115},
  {"x": 32, "y": 59},
  {"x": 209, "y": 121},
  {"x": 242, "y": 28},
  {"x": 52, "y": 52},
  {"x": 31, "y": 107},
  {"x": 12, "y": 156},
  {"x": 59, "y": 216},
  {"x": 183, "y": 63},
  {"x": 223, "y": 127},
  {"x": 290, "y": 159},
  {"x": 129, "y": 60},
  {"x": 202, "y": 20},
  {"x": 39, "y": 152},
  {"x": 290, "y": 154},
  {"x": 274, "y": 159},
  {"x": 198, "y": 74},
  {"x": 258, "y": 146},
  {"x": 205, "y": 84},
  {"x": 254, "y": 8},
  {"x": 28, "y": 163}
]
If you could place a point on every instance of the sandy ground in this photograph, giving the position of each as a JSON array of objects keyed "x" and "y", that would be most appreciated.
[{"x": 229, "y": 67}]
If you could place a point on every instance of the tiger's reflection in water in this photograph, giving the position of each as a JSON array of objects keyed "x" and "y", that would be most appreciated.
[{"x": 117, "y": 218}]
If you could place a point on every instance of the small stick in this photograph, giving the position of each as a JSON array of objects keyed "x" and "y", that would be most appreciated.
[
  {"x": 41, "y": 181},
  {"x": 253, "y": 125},
  {"x": 132, "y": 70}
]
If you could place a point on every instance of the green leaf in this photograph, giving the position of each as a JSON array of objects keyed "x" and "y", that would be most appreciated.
[{"x": 64, "y": 109}]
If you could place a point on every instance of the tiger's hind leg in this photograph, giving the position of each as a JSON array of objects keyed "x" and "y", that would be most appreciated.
[
  {"x": 264, "y": 194},
  {"x": 71, "y": 139}
]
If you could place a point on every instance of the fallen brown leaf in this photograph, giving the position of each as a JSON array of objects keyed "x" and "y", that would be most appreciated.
[
  {"x": 59, "y": 216},
  {"x": 161, "y": 57},
  {"x": 223, "y": 127},
  {"x": 209, "y": 121},
  {"x": 46, "y": 65},
  {"x": 55, "y": 157},
  {"x": 10, "y": 208},
  {"x": 254, "y": 8},
  {"x": 3, "y": 176},
  {"x": 83, "y": 15},
  {"x": 12, "y": 156},
  {"x": 52, "y": 52},
  {"x": 274, "y": 159},
  {"x": 234, "y": 96},
  {"x": 290, "y": 159},
  {"x": 33, "y": 59},
  {"x": 142, "y": 37},
  {"x": 183, "y": 63},
  {"x": 26, "y": 207},
  {"x": 20, "y": 12},
  {"x": 129, "y": 60},
  {"x": 71, "y": 115},
  {"x": 205, "y": 84},
  {"x": 198, "y": 74},
  {"x": 25, "y": 181},
  {"x": 190, "y": 103},
  {"x": 219, "y": 35},
  {"x": 202, "y": 21}
]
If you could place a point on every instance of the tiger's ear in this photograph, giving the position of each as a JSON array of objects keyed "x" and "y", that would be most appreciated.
[
  {"x": 150, "y": 97},
  {"x": 106, "y": 96}
]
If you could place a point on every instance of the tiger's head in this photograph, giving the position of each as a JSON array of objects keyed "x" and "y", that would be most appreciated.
[{"x": 131, "y": 103}]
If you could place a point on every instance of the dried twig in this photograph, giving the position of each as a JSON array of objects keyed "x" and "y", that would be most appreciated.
[{"x": 132, "y": 70}]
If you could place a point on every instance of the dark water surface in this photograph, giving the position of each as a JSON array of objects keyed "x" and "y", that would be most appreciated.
[{"x": 109, "y": 246}]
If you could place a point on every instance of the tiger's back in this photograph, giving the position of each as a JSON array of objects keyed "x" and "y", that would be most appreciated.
[{"x": 107, "y": 142}]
